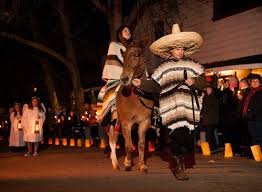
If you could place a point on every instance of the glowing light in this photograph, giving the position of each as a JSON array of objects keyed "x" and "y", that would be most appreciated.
[
  {"x": 37, "y": 128},
  {"x": 227, "y": 72},
  {"x": 19, "y": 125}
]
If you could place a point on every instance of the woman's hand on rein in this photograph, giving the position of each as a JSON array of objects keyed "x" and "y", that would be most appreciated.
[{"x": 136, "y": 82}]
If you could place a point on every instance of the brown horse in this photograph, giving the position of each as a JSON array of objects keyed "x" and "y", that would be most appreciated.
[{"x": 131, "y": 108}]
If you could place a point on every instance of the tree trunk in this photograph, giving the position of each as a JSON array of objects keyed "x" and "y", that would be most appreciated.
[
  {"x": 114, "y": 17},
  {"x": 70, "y": 54},
  {"x": 45, "y": 66},
  {"x": 49, "y": 82}
]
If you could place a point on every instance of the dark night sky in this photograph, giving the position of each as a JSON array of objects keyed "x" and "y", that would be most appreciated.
[{"x": 20, "y": 69}]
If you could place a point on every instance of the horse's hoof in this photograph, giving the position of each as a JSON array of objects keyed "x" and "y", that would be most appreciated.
[
  {"x": 116, "y": 168},
  {"x": 128, "y": 168},
  {"x": 143, "y": 171}
]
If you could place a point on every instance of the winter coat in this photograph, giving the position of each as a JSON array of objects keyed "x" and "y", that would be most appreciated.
[
  {"x": 229, "y": 111},
  {"x": 210, "y": 110},
  {"x": 254, "y": 111}
]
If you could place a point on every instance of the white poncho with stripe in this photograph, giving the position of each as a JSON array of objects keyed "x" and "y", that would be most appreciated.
[{"x": 176, "y": 107}]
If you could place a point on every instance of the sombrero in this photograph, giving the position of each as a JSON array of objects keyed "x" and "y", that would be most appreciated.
[{"x": 191, "y": 41}]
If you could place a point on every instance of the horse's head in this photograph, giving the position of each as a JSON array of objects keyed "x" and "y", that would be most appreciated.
[{"x": 134, "y": 65}]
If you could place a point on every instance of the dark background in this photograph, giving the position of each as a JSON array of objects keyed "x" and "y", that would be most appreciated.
[{"x": 20, "y": 67}]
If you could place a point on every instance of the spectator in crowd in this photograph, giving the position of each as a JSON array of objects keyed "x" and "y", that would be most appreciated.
[
  {"x": 60, "y": 125},
  {"x": 230, "y": 115},
  {"x": 71, "y": 121},
  {"x": 63, "y": 111},
  {"x": 85, "y": 124},
  {"x": 242, "y": 122},
  {"x": 49, "y": 125},
  {"x": 16, "y": 131},
  {"x": 210, "y": 116},
  {"x": 252, "y": 109}
]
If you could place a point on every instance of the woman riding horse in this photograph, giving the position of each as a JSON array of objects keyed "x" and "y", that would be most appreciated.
[
  {"x": 134, "y": 107},
  {"x": 112, "y": 70}
]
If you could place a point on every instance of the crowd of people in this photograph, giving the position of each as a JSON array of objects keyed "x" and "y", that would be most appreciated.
[
  {"x": 26, "y": 125},
  {"x": 61, "y": 123},
  {"x": 235, "y": 112},
  {"x": 32, "y": 124}
]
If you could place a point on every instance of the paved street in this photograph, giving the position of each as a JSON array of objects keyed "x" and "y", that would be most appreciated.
[{"x": 80, "y": 169}]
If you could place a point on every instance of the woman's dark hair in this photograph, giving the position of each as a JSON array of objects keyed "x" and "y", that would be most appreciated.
[
  {"x": 40, "y": 108},
  {"x": 15, "y": 112},
  {"x": 255, "y": 76},
  {"x": 120, "y": 38}
]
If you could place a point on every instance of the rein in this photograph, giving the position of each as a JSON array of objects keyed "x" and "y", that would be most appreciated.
[
  {"x": 142, "y": 102},
  {"x": 142, "y": 94}
]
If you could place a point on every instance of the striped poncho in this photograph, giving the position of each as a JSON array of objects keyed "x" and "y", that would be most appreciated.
[
  {"x": 111, "y": 74},
  {"x": 106, "y": 100},
  {"x": 176, "y": 107}
]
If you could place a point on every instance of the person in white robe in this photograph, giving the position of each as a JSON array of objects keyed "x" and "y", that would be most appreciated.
[
  {"x": 16, "y": 132},
  {"x": 32, "y": 121}
]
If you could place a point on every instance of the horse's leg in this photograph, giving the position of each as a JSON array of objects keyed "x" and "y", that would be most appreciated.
[
  {"x": 112, "y": 143},
  {"x": 143, "y": 126},
  {"x": 126, "y": 130}
]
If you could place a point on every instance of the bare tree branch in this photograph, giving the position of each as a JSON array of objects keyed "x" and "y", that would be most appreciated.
[
  {"x": 138, "y": 10},
  {"x": 39, "y": 47},
  {"x": 100, "y": 5}
]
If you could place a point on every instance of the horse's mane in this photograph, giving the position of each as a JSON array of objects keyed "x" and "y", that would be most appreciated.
[{"x": 142, "y": 44}]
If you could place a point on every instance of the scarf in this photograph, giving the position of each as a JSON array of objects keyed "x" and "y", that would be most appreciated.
[{"x": 251, "y": 93}]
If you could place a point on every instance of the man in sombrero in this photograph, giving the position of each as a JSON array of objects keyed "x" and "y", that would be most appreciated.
[{"x": 181, "y": 80}]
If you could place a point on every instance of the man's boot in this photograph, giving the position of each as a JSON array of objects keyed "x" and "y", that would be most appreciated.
[
  {"x": 176, "y": 165},
  {"x": 189, "y": 160}
]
